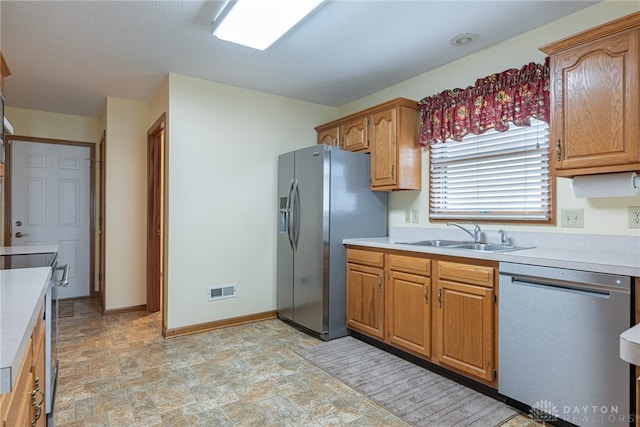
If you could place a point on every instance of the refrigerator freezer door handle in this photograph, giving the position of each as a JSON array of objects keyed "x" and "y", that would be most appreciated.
[
  {"x": 293, "y": 225},
  {"x": 289, "y": 213}
]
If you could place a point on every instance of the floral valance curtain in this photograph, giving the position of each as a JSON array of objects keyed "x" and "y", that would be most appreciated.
[{"x": 494, "y": 101}]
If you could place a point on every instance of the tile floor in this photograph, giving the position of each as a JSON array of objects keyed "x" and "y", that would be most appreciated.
[{"x": 119, "y": 371}]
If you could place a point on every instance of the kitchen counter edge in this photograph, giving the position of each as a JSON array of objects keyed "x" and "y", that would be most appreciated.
[
  {"x": 22, "y": 292},
  {"x": 600, "y": 262}
]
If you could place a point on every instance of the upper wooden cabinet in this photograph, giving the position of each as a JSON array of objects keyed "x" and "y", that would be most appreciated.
[
  {"x": 354, "y": 135},
  {"x": 329, "y": 136},
  {"x": 595, "y": 97},
  {"x": 389, "y": 132}
]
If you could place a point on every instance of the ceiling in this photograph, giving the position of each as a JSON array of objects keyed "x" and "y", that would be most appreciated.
[{"x": 68, "y": 56}]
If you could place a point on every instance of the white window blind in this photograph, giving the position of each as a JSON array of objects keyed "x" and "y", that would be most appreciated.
[{"x": 493, "y": 176}]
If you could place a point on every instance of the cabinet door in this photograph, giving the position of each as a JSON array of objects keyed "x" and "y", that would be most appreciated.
[
  {"x": 382, "y": 135},
  {"x": 409, "y": 312},
  {"x": 329, "y": 136},
  {"x": 465, "y": 316},
  {"x": 365, "y": 300},
  {"x": 595, "y": 110},
  {"x": 354, "y": 134},
  {"x": 38, "y": 372}
]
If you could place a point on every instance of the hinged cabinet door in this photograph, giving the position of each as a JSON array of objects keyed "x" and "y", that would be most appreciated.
[
  {"x": 382, "y": 134},
  {"x": 466, "y": 319},
  {"x": 353, "y": 134},
  {"x": 365, "y": 299},
  {"x": 594, "y": 109},
  {"x": 329, "y": 136},
  {"x": 409, "y": 312}
]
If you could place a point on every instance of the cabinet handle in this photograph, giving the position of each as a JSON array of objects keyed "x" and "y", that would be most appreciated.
[
  {"x": 426, "y": 294},
  {"x": 440, "y": 297},
  {"x": 393, "y": 167},
  {"x": 558, "y": 150},
  {"x": 37, "y": 406},
  {"x": 380, "y": 284}
]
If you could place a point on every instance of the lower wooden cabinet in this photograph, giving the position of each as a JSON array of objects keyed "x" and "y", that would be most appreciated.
[
  {"x": 409, "y": 312},
  {"x": 38, "y": 373},
  {"x": 25, "y": 406},
  {"x": 409, "y": 303},
  {"x": 365, "y": 293},
  {"x": 465, "y": 336},
  {"x": 430, "y": 306}
]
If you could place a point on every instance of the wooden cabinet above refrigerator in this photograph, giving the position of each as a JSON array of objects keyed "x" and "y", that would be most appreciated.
[{"x": 389, "y": 132}]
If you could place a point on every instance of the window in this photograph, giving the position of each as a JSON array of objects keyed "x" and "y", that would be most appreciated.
[{"x": 495, "y": 176}]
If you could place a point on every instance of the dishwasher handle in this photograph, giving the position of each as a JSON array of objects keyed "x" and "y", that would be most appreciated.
[{"x": 601, "y": 291}]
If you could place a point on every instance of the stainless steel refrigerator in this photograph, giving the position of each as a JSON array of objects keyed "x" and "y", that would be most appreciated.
[{"x": 323, "y": 197}]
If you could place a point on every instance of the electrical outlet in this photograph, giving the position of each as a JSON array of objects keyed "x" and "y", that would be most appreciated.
[
  {"x": 415, "y": 216},
  {"x": 634, "y": 216},
  {"x": 407, "y": 216},
  {"x": 572, "y": 218}
]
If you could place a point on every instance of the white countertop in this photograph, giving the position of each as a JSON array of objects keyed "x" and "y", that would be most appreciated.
[
  {"x": 27, "y": 249},
  {"x": 630, "y": 345},
  {"x": 22, "y": 293},
  {"x": 626, "y": 264}
]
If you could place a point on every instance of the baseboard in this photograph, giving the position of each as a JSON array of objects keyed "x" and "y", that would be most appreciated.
[
  {"x": 125, "y": 310},
  {"x": 218, "y": 324}
]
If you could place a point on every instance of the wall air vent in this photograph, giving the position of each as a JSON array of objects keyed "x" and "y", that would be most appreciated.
[{"x": 221, "y": 292}]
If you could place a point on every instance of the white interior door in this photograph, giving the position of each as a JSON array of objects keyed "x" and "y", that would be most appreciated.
[{"x": 50, "y": 204}]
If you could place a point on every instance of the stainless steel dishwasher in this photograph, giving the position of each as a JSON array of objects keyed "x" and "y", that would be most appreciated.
[{"x": 559, "y": 340}]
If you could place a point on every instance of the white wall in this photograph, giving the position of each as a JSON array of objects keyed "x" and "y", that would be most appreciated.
[
  {"x": 42, "y": 124},
  {"x": 126, "y": 203},
  {"x": 222, "y": 166},
  {"x": 602, "y": 216}
]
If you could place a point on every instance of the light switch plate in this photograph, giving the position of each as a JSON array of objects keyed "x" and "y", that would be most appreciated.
[
  {"x": 572, "y": 218},
  {"x": 407, "y": 216}
]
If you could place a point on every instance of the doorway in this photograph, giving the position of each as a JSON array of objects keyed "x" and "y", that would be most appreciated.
[
  {"x": 156, "y": 149},
  {"x": 50, "y": 193}
]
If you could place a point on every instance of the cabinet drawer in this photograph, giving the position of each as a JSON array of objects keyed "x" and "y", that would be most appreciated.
[
  {"x": 359, "y": 256},
  {"x": 473, "y": 274},
  {"x": 410, "y": 264}
]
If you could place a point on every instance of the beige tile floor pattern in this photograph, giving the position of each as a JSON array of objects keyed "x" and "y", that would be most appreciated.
[{"x": 119, "y": 371}]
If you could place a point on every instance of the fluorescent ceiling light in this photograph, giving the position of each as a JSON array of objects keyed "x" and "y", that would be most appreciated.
[{"x": 259, "y": 23}]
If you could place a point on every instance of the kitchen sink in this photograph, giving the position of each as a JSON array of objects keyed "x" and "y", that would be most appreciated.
[
  {"x": 437, "y": 243},
  {"x": 489, "y": 247},
  {"x": 457, "y": 244}
]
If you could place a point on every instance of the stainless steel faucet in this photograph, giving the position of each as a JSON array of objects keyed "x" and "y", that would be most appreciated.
[{"x": 475, "y": 234}]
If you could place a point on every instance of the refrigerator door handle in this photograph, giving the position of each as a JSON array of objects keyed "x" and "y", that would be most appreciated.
[
  {"x": 289, "y": 213},
  {"x": 294, "y": 229}
]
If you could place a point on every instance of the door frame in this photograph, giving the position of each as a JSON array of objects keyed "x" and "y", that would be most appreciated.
[
  {"x": 102, "y": 287},
  {"x": 92, "y": 193},
  {"x": 156, "y": 250}
]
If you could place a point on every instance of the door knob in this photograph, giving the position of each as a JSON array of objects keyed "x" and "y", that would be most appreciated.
[{"x": 19, "y": 234}]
